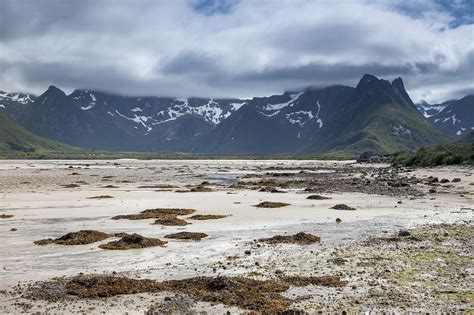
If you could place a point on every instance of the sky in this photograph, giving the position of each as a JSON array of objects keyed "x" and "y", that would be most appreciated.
[{"x": 236, "y": 48}]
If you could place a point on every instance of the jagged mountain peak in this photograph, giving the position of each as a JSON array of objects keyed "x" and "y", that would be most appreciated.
[{"x": 54, "y": 89}]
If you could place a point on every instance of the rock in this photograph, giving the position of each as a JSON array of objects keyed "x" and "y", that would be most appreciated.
[
  {"x": 404, "y": 233},
  {"x": 432, "y": 191},
  {"x": 370, "y": 157},
  {"x": 338, "y": 220},
  {"x": 444, "y": 180},
  {"x": 456, "y": 180}
]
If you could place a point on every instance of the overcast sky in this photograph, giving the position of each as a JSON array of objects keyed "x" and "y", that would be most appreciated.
[{"x": 235, "y": 48}]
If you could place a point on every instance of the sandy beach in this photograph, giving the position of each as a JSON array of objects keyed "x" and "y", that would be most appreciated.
[{"x": 48, "y": 199}]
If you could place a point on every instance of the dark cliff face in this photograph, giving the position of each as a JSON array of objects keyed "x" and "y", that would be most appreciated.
[{"x": 376, "y": 114}]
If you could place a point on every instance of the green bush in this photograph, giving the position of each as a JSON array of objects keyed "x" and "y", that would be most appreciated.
[{"x": 450, "y": 154}]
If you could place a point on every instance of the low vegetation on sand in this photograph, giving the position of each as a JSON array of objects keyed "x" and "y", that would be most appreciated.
[
  {"x": 300, "y": 238},
  {"x": 133, "y": 241},
  {"x": 449, "y": 154},
  {"x": 187, "y": 236},
  {"x": 79, "y": 238},
  {"x": 271, "y": 204}
]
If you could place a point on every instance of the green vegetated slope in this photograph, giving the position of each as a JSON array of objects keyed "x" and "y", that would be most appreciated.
[
  {"x": 391, "y": 128},
  {"x": 14, "y": 139}
]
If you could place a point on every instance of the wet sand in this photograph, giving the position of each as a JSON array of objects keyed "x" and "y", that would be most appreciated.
[{"x": 35, "y": 193}]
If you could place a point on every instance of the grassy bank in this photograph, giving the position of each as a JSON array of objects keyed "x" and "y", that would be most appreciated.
[{"x": 449, "y": 154}]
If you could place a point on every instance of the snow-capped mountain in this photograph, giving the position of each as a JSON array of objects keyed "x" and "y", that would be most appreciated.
[
  {"x": 312, "y": 120},
  {"x": 16, "y": 103},
  {"x": 145, "y": 113},
  {"x": 455, "y": 116}
]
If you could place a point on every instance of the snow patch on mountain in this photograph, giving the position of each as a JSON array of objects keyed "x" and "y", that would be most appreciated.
[
  {"x": 430, "y": 110},
  {"x": 87, "y": 107},
  {"x": 300, "y": 117},
  {"x": 237, "y": 106},
  {"x": 319, "y": 120},
  {"x": 92, "y": 103},
  {"x": 270, "y": 115},
  {"x": 137, "y": 119},
  {"x": 453, "y": 119},
  {"x": 211, "y": 112},
  {"x": 293, "y": 98},
  {"x": 17, "y": 97}
]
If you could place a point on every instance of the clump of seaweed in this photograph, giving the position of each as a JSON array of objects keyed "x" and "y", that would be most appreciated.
[
  {"x": 157, "y": 186},
  {"x": 171, "y": 221},
  {"x": 271, "y": 190},
  {"x": 133, "y": 241},
  {"x": 155, "y": 214},
  {"x": 326, "y": 281},
  {"x": 201, "y": 188},
  {"x": 71, "y": 186},
  {"x": 195, "y": 236},
  {"x": 110, "y": 186},
  {"x": 163, "y": 216},
  {"x": 317, "y": 197},
  {"x": 342, "y": 206},
  {"x": 101, "y": 197},
  {"x": 255, "y": 295},
  {"x": 79, "y": 238},
  {"x": 271, "y": 204},
  {"x": 6, "y": 216},
  {"x": 208, "y": 216},
  {"x": 300, "y": 238}
]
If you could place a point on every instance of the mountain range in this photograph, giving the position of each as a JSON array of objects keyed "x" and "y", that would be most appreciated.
[
  {"x": 376, "y": 115},
  {"x": 456, "y": 117}
]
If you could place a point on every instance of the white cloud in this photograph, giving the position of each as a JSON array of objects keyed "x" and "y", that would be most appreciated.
[{"x": 254, "y": 48}]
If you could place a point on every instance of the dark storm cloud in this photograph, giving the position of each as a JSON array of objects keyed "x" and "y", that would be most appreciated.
[{"x": 235, "y": 48}]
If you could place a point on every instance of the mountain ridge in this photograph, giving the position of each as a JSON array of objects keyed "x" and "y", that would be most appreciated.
[{"x": 376, "y": 114}]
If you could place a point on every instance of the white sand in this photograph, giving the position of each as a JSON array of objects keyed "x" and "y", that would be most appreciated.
[{"x": 43, "y": 209}]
